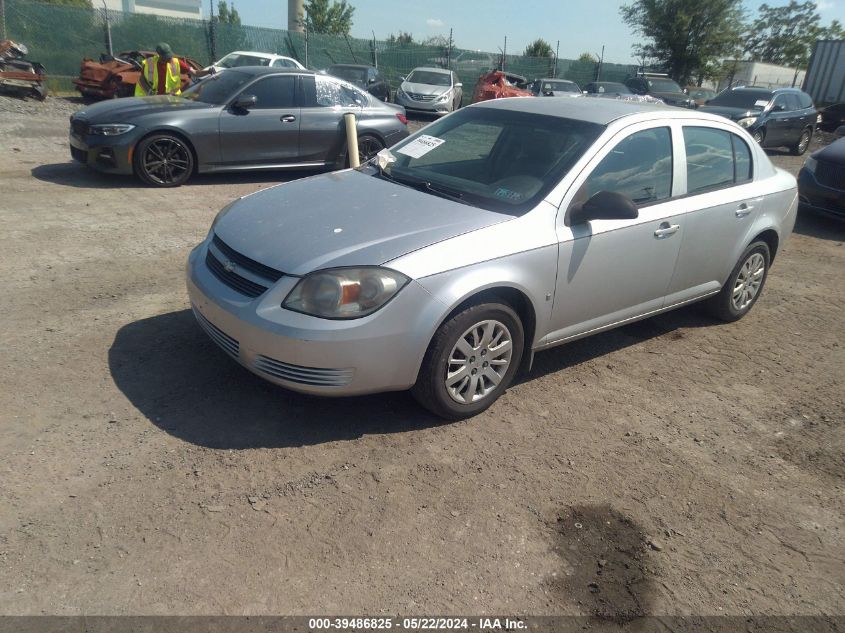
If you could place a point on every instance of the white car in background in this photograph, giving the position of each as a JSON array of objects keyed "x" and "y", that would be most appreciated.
[{"x": 252, "y": 58}]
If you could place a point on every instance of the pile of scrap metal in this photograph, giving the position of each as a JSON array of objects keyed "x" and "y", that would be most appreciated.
[
  {"x": 19, "y": 76},
  {"x": 497, "y": 84},
  {"x": 116, "y": 76}
]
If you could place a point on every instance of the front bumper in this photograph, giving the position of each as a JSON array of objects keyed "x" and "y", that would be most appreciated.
[
  {"x": 430, "y": 107},
  {"x": 379, "y": 352},
  {"x": 817, "y": 196},
  {"x": 110, "y": 154}
]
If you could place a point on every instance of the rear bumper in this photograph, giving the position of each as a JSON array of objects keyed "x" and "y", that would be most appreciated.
[{"x": 814, "y": 195}]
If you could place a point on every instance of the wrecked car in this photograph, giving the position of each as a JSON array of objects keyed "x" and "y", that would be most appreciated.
[
  {"x": 116, "y": 76},
  {"x": 20, "y": 76},
  {"x": 497, "y": 84}
]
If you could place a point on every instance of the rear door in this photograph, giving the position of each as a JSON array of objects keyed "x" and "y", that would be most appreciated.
[
  {"x": 266, "y": 133},
  {"x": 324, "y": 100},
  {"x": 779, "y": 125}
]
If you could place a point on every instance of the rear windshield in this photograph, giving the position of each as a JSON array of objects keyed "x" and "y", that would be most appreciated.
[
  {"x": 350, "y": 74},
  {"x": 663, "y": 85},
  {"x": 499, "y": 160},
  {"x": 430, "y": 78},
  {"x": 559, "y": 86},
  {"x": 612, "y": 88},
  {"x": 233, "y": 60},
  {"x": 217, "y": 89},
  {"x": 746, "y": 99}
]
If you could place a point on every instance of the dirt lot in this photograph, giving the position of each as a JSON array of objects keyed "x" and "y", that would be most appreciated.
[{"x": 675, "y": 466}]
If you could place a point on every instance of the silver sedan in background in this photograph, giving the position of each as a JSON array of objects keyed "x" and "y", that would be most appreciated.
[
  {"x": 506, "y": 228},
  {"x": 242, "y": 119},
  {"x": 431, "y": 90}
]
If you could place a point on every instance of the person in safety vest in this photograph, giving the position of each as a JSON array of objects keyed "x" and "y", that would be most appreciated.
[{"x": 161, "y": 74}]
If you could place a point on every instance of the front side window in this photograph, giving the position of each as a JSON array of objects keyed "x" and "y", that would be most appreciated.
[
  {"x": 273, "y": 92},
  {"x": 715, "y": 159},
  {"x": 639, "y": 167},
  {"x": 217, "y": 89}
]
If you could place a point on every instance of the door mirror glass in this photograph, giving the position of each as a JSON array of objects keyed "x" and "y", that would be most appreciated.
[
  {"x": 605, "y": 205},
  {"x": 245, "y": 102},
  {"x": 372, "y": 80}
]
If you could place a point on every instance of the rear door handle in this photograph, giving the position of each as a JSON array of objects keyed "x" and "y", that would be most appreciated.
[
  {"x": 287, "y": 118},
  {"x": 666, "y": 230},
  {"x": 744, "y": 209}
]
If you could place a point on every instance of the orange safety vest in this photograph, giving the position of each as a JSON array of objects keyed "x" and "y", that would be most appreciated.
[{"x": 172, "y": 83}]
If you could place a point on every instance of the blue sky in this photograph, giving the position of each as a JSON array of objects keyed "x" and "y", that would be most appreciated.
[{"x": 580, "y": 25}]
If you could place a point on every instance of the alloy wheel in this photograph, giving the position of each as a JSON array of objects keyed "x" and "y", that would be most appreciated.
[
  {"x": 166, "y": 160},
  {"x": 803, "y": 142},
  {"x": 748, "y": 282},
  {"x": 367, "y": 148},
  {"x": 478, "y": 361}
]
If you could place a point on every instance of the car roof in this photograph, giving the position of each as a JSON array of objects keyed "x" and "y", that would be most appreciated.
[
  {"x": 253, "y": 53},
  {"x": 566, "y": 81},
  {"x": 351, "y": 66},
  {"x": 270, "y": 70},
  {"x": 432, "y": 69}
]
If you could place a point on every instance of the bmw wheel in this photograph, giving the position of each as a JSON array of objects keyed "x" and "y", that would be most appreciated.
[
  {"x": 470, "y": 362},
  {"x": 743, "y": 287},
  {"x": 163, "y": 160}
]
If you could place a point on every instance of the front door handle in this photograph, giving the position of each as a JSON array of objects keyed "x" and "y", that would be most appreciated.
[
  {"x": 666, "y": 229},
  {"x": 744, "y": 209},
  {"x": 287, "y": 118}
]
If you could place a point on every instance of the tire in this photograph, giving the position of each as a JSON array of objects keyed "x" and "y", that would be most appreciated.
[
  {"x": 368, "y": 146},
  {"x": 739, "y": 295},
  {"x": 803, "y": 142},
  {"x": 163, "y": 160},
  {"x": 759, "y": 136},
  {"x": 460, "y": 344}
]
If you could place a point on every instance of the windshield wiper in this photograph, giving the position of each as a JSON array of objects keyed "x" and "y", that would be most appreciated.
[{"x": 424, "y": 185}]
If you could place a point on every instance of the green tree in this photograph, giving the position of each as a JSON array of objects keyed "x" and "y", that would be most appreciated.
[
  {"x": 437, "y": 40},
  {"x": 785, "y": 35},
  {"x": 685, "y": 35},
  {"x": 403, "y": 39},
  {"x": 587, "y": 57},
  {"x": 225, "y": 15},
  {"x": 85, "y": 4},
  {"x": 332, "y": 19},
  {"x": 539, "y": 48}
]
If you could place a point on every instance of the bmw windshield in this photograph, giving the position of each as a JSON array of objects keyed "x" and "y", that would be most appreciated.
[
  {"x": 499, "y": 160},
  {"x": 217, "y": 89}
]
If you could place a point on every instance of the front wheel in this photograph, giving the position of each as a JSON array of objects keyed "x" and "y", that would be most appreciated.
[
  {"x": 803, "y": 143},
  {"x": 758, "y": 137},
  {"x": 470, "y": 362},
  {"x": 163, "y": 160},
  {"x": 743, "y": 287}
]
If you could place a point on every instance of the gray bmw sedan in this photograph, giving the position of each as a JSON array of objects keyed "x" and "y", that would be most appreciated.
[
  {"x": 506, "y": 228},
  {"x": 244, "y": 118}
]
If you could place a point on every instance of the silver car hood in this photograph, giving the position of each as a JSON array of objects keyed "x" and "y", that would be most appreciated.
[
  {"x": 424, "y": 89},
  {"x": 342, "y": 219}
]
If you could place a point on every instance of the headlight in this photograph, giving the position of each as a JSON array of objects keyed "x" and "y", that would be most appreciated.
[
  {"x": 344, "y": 293},
  {"x": 400, "y": 92},
  {"x": 222, "y": 212},
  {"x": 444, "y": 97},
  {"x": 110, "y": 129},
  {"x": 748, "y": 121},
  {"x": 810, "y": 164}
]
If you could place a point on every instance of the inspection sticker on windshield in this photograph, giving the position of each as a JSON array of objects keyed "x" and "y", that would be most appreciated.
[
  {"x": 761, "y": 103},
  {"x": 420, "y": 146}
]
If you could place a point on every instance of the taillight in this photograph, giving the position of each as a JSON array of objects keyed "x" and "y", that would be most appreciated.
[{"x": 402, "y": 118}]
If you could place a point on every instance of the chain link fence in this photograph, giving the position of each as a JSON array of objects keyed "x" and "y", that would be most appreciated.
[{"x": 60, "y": 37}]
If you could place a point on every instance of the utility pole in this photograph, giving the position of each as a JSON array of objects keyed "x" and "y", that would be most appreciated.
[
  {"x": 557, "y": 50},
  {"x": 375, "y": 53},
  {"x": 449, "y": 52},
  {"x": 108, "y": 29},
  {"x": 505, "y": 53},
  {"x": 212, "y": 35},
  {"x": 3, "y": 19},
  {"x": 600, "y": 64}
]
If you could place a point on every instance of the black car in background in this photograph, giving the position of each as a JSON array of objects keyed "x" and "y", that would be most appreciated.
[
  {"x": 821, "y": 181},
  {"x": 832, "y": 117},
  {"x": 775, "y": 117},
  {"x": 661, "y": 88},
  {"x": 366, "y": 77}
]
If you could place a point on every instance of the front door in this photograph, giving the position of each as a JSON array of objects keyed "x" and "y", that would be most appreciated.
[
  {"x": 266, "y": 133},
  {"x": 613, "y": 270}
]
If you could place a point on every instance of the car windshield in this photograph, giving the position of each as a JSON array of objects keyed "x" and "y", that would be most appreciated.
[
  {"x": 216, "y": 89},
  {"x": 663, "y": 85},
  {"x": 612, "y": 88},
  {"x": 429, "y": 77},
  {"x": 233, "y": 60},
  {"x": 559, "y": 86},
  {"x": 745, "y": 99},
  {"x": 500, "y": 160},
  {"x": 348, "y": 73}
]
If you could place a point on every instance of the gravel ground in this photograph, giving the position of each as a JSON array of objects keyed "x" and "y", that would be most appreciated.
[{"x": 674, "y": 466}]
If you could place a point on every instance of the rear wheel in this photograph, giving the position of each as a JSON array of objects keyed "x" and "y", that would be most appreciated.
[
  {"x": 163, "y": 160},
  {"x": 470, "y": 362},
  {"x": 743, "y": 287},
  {"x": 368, "y": 146},
  {"x": 803, "y": 142}
]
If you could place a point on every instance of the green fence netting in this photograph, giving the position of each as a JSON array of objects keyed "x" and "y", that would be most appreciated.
[{"x": 60, "y": 37}]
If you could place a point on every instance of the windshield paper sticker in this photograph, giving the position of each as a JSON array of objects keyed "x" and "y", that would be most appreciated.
[
  {"x": 501, "y": 192},
  {"x": 420, "y": 146},
  {"x": 761, "y": 103}
]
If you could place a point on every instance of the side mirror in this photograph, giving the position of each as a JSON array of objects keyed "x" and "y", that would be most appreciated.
[
  {"x": 586, "y": 92},
  {"x": 605, "y": 205},
  {"x": 839, "y": 132},
  {"x": 245, "y": 102},
  {"x": 401, "y": 77},
  {"x": 372, "y": 80},
  {"x": 459, "y": 85},
  {"x": 779, "y": 108}
]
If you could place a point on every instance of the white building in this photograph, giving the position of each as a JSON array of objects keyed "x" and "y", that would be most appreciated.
[
  {"x": 167, "y": 8},
  {"x": 760, "y": 74}
]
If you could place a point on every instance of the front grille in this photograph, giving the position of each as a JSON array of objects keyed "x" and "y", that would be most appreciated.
[
  {"x": 418, "y": 97},
  {"x": 79, "y": 127},
  {"x": 232, "y": 279},
  {"x": 830, "y": 175},
  {"x": 226, "y": 342},
  {"x": 303, "y": 375},
  {"x": 245, "y": 262},
  {"x": 78, "y": 154}
]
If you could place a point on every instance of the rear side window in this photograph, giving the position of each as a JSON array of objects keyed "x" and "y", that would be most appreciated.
[
  {"x": 806, "y": 100},
  {"x": 639, "y": 167},
  {"x": 715, "y": 159},
  {"x": 792, "y": 102},
  {"x": 273, "y": 92},
  {"x": 328, "y": 92}
]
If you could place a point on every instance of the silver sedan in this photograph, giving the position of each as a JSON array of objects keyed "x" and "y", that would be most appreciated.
[
  {"x": 506, "y": 228},
  {"x": 430, "y": 90}
]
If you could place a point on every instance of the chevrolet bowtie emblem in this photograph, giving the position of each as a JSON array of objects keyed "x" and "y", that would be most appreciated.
[{"x": 229, "y": 267}]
